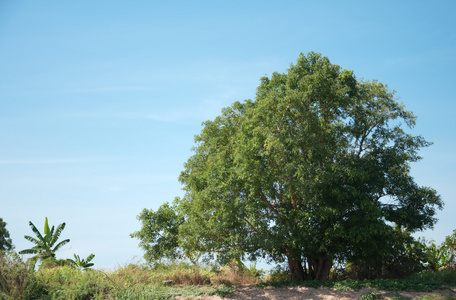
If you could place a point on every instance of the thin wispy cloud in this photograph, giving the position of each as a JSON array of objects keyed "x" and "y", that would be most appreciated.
[
  {"x": 103, "y": 90},
  {"x": 46, "y": 161},
  {"x": 75, "y": 91},
  {"x": 168, "y": 116}
]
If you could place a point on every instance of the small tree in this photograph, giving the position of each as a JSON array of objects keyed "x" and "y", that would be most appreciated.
[
  {"x": 45, "y": 246},
  {"x": 5, "y": 241},
  {"x": 81, "y": 263}
]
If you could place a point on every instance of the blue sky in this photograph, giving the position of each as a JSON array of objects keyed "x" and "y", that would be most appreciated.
[{"x": 100, "y": 100}]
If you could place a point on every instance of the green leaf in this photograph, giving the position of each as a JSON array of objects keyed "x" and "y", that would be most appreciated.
[
  {"x": 46, "y": 227},
  {"x": 44, "y": 246}
]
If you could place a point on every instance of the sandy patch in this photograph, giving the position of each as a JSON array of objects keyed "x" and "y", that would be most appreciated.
[{"x": 324, "y": 293}]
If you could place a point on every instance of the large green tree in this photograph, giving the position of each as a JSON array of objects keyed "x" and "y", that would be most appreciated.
[
  {"x": 315, "y": 169},
  {"x": 5, "y": 241},
  {"x": 45, "y": 246}
]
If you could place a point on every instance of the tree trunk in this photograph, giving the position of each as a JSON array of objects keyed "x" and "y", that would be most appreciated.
[
  {"x": 296, "y": 270},
  {"x": 319, "y": 268}
]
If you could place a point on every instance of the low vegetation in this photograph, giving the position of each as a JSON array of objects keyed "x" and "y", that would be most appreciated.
[{"x": 19, "y": 280}]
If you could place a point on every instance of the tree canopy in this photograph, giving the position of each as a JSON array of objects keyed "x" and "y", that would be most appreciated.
[
  {"x": 315, "y": 169},
  {"x": 5, "y": 241}
]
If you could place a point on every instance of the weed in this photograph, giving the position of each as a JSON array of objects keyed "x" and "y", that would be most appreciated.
[
  {"x": 436, "y": 297},
  {"x": 371, "y": 296},
  {"x": 340, "y": 286},
  {"x": 222, "y": 291},
  {"x": 397, "y": 296}
]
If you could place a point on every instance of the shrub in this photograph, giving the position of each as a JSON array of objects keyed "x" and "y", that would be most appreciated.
[
  {"x": 17, "y": 279},
  {"x": 443, "y": 276},
  {"x": 52, "y": 262},
  {"x": 69, "y": 283},
  {"x": 371, "y": 296},
  {"x": 278, "y": 274}
]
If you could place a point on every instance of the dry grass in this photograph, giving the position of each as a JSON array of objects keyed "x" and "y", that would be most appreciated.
[
  {"x": 131, "y": 275},
  {"x": 181, "y": 274},
  {"x": 234, "y": 277}
]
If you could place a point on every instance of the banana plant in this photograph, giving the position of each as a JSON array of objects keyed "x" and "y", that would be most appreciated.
[
  {"x": 45, "y": 246},
  {"x": 81, "y": 263},
  {"x": 450, "y": 246}
]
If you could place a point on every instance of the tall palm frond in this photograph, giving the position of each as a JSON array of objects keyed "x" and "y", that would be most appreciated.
[
  {"x": 44, "y": 245},
  {"x": 61, "y": 244},
  {"x": 29, "y": 251},
  {"x": 55, "y": 236},
  {"x": 36, "y": 231},
  {"x": 33, "y": 240}
]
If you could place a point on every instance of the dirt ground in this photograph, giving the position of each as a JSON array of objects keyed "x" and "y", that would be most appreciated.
[
  {"x": 294, "y": 293},
  {"x": 320, "y": 293}
]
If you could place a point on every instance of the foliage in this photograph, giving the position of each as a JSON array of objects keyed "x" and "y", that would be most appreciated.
[
  {"x": 45, "y": 246},
  {"x": 129, "y": 282},
  {"x": 68, "y": 283},
  {"x": 158, "y": 282},
  {"x": 81, "y": 263},
  {"x": 159, "y": 238},
  {"x": 449, "y": 248},
  {"x": 52, "y": 262},
  {"x": 445, "y": 276},
  {"x": 5, "y": 241},
  {"x": 314, "y": 170},
  {"x": 439, "y": 257},
  {"x": 17, "y": 280},
  {"x": 279, "y": 273},
  {"x": 371, "y": 296},
  {"x": 407, "y": 257}
]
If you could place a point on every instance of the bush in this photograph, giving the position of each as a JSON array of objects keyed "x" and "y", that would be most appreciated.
[
  {"x": 443, "y": 276},
  {"x": 17, "y": 278},
  {"x": 278, "y": 274},
  {"x": 52, "y": 262},
  {"x": 69, "y": 283}
]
